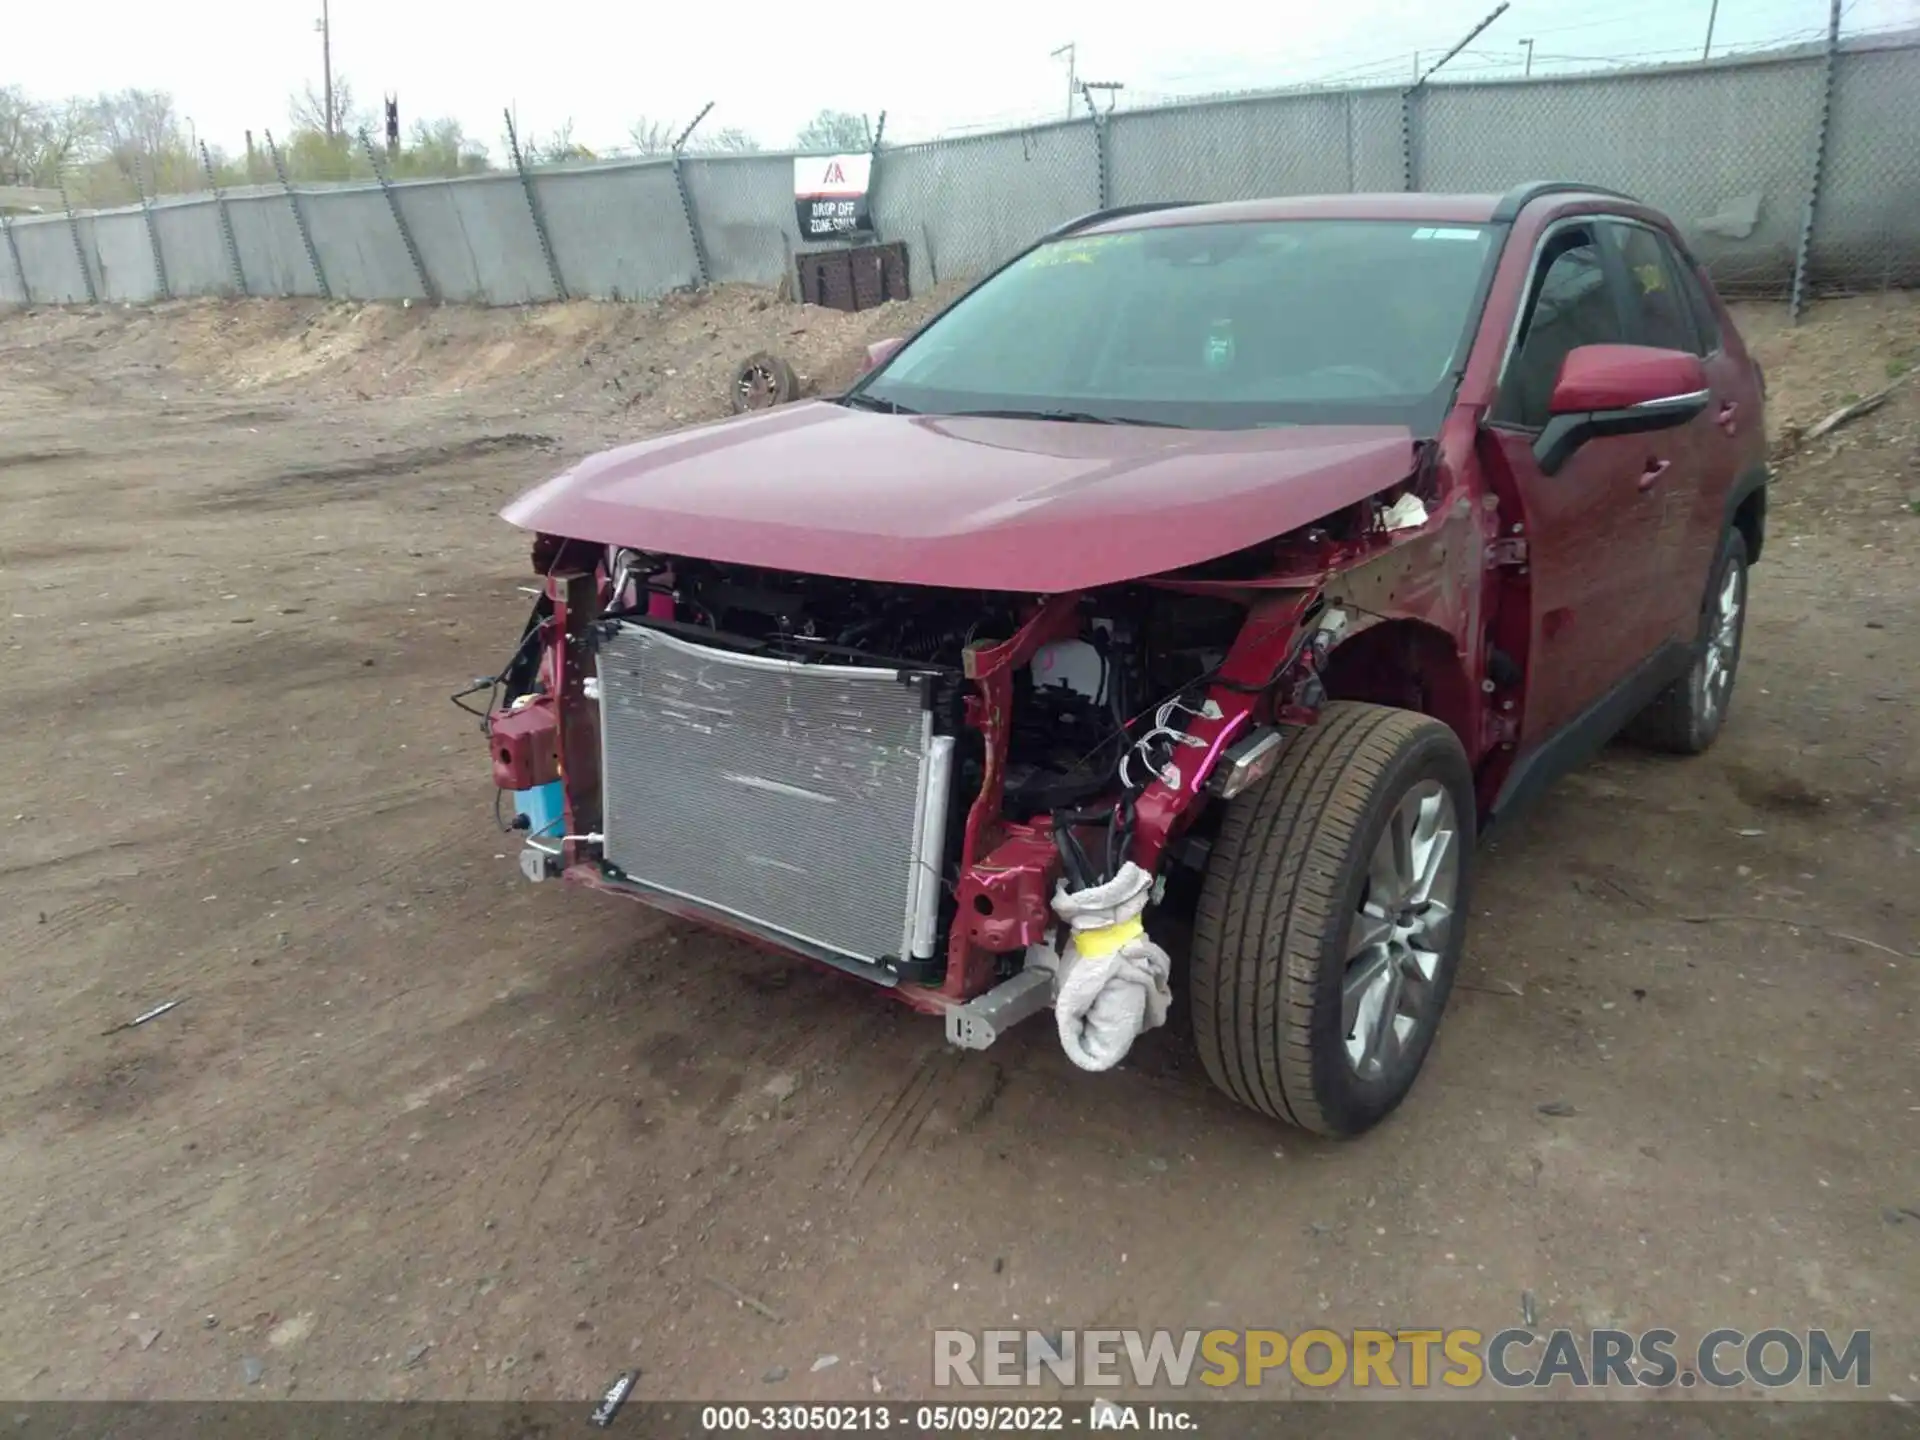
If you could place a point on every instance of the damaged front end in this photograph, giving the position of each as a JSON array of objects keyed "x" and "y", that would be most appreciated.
[{"x": 968, "y": 797}]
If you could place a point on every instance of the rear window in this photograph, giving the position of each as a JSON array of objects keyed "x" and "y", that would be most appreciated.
[{"x": 1223, "y": 326}]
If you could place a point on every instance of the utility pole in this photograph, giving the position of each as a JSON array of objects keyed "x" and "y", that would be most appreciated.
[
  {"x": 1713, "y": 13},
  {"x": 1529, "y": 44},
  {"x": 1072, "y": 87},
  {"x": 325, "y": 26}
]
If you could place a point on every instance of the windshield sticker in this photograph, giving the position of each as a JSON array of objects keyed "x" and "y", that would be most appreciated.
[
  {"x": 1445, "y": 233},
  {"x": 1082, "y": 251}
]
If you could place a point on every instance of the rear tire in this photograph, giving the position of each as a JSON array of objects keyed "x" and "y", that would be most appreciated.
[
  {"x": 1687, "y": 716},
  {"x": 1331, "y": 919}
]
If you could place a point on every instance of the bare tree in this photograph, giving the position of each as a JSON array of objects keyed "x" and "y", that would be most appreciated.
[
  {"x": 308, "y": 109},
  {"x": 839, "y": 130},
  {"x": 730, "y": 141},
  {"x": 139, "y": 127},
  {"x": 651, "y": 137},
  {"x": 558, "y": 146},
  {"x": 38, "y": 139}
]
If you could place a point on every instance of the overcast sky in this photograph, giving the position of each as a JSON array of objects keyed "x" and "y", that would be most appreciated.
[{"x": 232, "y": 64}]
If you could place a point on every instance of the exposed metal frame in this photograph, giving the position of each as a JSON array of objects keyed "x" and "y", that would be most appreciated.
[{"x": 929, "y": 845}]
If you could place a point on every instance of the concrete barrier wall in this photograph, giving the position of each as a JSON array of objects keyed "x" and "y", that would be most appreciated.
[
  {"x": 52, "y": 265},
  {"x": 360, "y": 247},
  {"x": 12, "y": 288},
  {"x": 493, "y": 223},
  {"x": 271, "y": 255},
  {"x": 744, "y": 207},
  {"x": 618, "y": 233},
  {"x": 1728, "y": 149},
  {"x": 120, "y": 250},
  {"x": 195, "y": 249}
]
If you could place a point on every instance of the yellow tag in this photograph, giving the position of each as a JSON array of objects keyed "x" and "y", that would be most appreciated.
[
  {"x": 1650, "y": 278},
  {"x": 1107, "y": 939}
]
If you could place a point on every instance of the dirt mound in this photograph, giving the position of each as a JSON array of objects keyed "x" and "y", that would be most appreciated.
[
  {"x": 1865, "y": 475},
  {"x": 1841, "y": 350},
  {"x": 675, "y": 355}
]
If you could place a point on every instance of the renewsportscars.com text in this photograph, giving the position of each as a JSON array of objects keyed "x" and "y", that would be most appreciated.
[{"x": 1415, "y": 1359}]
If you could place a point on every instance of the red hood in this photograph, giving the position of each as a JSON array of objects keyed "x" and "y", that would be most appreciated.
[{"x": 981, "y": 504}]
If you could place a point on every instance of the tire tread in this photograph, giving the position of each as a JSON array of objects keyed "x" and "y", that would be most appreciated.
[{"x": 1271, "y": 905}]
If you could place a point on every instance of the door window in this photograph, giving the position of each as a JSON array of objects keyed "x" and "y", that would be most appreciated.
[
  {"x": 1706, "y": 320},
  {"x": 1657, "y": 310},
  {"x": 1571, "y": 306}
]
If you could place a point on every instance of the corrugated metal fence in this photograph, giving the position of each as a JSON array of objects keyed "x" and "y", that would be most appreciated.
[{"x": 1793, "y": 171}]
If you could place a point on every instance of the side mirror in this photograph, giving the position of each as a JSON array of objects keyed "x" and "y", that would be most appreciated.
[
  {"x": 1618, "y": 390},
  {"x": 879, "y": 353}
]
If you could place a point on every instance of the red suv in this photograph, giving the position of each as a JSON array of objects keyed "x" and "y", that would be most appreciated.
[{"x": 1251, "y": 558}]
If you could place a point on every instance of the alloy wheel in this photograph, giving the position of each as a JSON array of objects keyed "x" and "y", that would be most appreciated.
[{"x": 1399, "y": 933}]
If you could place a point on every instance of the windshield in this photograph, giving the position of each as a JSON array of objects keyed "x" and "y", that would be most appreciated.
[{"x": 1222, "y": 326}]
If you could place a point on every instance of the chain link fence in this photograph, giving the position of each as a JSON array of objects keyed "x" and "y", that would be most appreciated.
[
  {"x": 963, "y": 206},
  {"x": 1865, "y": 231},
  {"x": 1790, "y": 173},
  {"x": 1726, "y": 152}
]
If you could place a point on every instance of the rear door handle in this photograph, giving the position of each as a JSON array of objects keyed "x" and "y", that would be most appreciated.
[
  {"x": 1651, "y": 475},
  {"x": 1729, "y": 417}
]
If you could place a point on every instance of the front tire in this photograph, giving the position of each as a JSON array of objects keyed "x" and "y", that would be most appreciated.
[
  {"x": 1331, "y": 919},
  {"x": 1687, "y": 716}
]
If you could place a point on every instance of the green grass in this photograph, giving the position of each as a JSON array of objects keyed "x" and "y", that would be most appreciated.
[{"x": 1898, "y": 366}]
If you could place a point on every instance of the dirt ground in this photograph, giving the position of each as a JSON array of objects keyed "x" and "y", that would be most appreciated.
[{"x": 419, "y": 1129}]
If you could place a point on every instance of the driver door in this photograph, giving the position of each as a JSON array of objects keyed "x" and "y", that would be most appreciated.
[{"x": 1593, "y": 527}]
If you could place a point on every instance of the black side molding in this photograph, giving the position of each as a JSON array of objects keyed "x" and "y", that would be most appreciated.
[
  {"x": 1521, "y": 196},
  {"x": 1582, "y": 737},
  {"x": 1751, "y": 484},
  {"x": 1565, "y": 434},
  {"x": 1114, "y": 212}
]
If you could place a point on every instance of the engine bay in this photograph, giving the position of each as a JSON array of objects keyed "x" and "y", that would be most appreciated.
[{"x": 1080, "y": 707}]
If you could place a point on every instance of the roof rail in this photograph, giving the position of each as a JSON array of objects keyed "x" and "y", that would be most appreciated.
[
  {"x": 1113, "y": 212},
  {"x": 1518, "y": 198}
]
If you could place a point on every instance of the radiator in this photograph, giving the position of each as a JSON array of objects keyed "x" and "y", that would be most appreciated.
[{"x": 807, "y": 799}]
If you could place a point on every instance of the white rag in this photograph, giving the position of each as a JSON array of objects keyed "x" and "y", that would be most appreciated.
[{"x": 1116, "y": 986}]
